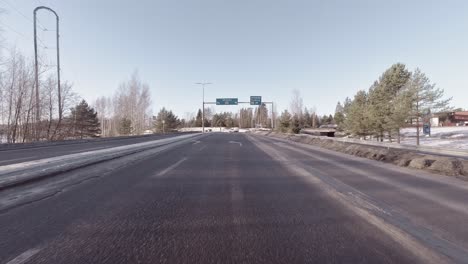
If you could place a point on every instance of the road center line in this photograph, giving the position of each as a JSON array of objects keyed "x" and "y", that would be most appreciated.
[
  {"x": 168, "y": 169},
  {"x": 25, "y": 256}
]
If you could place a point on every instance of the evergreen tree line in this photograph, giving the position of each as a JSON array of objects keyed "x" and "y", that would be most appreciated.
[
  {"x": 245, "y": 118},
  {"x": 399, "y": 98},
  {"x": 299, "y": 117},
  {"x": 294, "y": 123}
]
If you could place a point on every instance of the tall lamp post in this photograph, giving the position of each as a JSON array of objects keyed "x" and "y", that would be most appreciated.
[
  {"x": 203, "y": 84},
  {"x": 37, "y": 65}
]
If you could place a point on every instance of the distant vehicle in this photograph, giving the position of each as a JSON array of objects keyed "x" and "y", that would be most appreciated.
[{"x": 148, "y": 132}]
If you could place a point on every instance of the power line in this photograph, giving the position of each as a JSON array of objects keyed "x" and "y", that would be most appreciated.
[
  {"x": 43, "y": 45},
  {"x": 22, "y": 35},
  {"x": 7, "y": 48},
  {"x": 14, "y": 30},
  {"x": 24, "y": 16}
]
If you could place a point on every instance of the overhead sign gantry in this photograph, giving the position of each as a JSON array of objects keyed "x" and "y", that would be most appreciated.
[{"x": 254, "y": 100}]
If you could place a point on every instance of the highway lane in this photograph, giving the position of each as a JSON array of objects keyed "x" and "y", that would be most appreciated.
[
  {"x": 232, "y": 198},
  {"x": 429, "y": 207},
  {"x": 12, "y": 156}
]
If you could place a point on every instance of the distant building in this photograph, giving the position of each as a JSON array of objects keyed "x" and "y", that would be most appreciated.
[{"x": 458, "y": 118}]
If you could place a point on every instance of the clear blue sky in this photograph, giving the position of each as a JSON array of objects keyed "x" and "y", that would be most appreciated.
[{"x": 326, "y": 49}]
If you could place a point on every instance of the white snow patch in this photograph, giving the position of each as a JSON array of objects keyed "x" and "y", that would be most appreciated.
[{"x": 446, "y": 137}]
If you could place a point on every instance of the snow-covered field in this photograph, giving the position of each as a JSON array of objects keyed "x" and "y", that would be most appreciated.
[{"x": 444, "y": 137}]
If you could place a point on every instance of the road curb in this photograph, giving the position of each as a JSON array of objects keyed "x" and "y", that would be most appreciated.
[{"x": 438, "y": 164}]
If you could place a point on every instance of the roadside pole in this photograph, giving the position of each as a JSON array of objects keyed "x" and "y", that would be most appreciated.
[
  {"x": 36, "y": 70},
  {"x": 203, "y": 103}
]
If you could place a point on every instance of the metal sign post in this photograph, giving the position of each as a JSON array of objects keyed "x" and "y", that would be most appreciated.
[{"x": 203, "y": 104}]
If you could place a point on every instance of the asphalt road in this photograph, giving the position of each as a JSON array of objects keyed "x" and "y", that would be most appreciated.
[
  {"x": 12, "y": 156},
  {"x": 234, "y": 198}
]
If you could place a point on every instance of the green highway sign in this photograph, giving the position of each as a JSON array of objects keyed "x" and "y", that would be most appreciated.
[
  {"x": 255, "y": 100},
  {"x": 227, "y": 101}
]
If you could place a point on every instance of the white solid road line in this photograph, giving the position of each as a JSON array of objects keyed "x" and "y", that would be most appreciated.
[
  {"x": 173, "y": 166},
  {"x": 235, "y": 142},
  {"x": 25, "y": 256}
]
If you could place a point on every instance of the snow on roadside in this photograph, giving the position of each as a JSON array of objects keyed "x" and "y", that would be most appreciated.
[{"x": 444, "y": 137}]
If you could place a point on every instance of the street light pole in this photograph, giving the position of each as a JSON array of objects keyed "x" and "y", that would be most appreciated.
[
  {"x": 203, "y": 84},
  {"x": 37, "y": 65}
]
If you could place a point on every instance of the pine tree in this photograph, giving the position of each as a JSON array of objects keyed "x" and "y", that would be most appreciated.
[
  {"x": 198, "y": 120},
  {"x": 357, "y": 115},
  {"x": 219, "y": 120},
  {"x": 85, "y": 121},
  {"x": 285, "y": 121},
  {"x": 296, "y": 124},
  {"x": 382, "y": 98},
  {"x": 339, "y": 115},
  {"x": 401, "y": 111},
  {"x": 166, "y": 121},
  {"x": 425, "y": 98},
  {"x": 125, "y": 127},
  {"x": 307, "y": 118}
]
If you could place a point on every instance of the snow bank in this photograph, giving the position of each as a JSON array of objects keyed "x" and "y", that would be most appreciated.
[
  {"x": 402, "y": 157},
  {"x": 446, "y": 137},
  {"x": 15, "y": 174}
]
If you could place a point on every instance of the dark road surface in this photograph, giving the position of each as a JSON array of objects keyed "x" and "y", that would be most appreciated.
[
  {"x": 234, "y": 198},
  {"x": 12, "y": 156}
]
